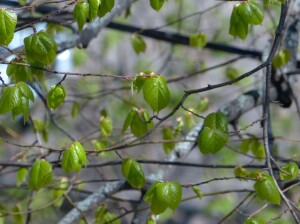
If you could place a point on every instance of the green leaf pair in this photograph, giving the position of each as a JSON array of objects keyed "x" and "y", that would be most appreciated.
[
  {"x": 73, "y": 158},
  {"x": 40, "y": 175},
  {"x": 163, "y": 195},
  {"x": 244, "y": 14},
  {"x": 137, "y": 120},
  {"x": 155, "y": 90},
  {"x": 133, "y": 173},
  {"x": 15, "y": 99},
  {"x": 266, "y": 189},
  {"x": 8, "y": 22},
  {"x": 254, "y": 145},
  {"x": 214, "y": 135}
]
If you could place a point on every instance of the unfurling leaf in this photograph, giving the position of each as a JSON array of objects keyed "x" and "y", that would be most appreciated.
[
  {"x": 40, "y": 175},
  {"x": 8, "y": 22},
  {"x": 56, "y": 96},
  {"x": 133, "y": 172},
  {"x": 81, "y": 13},
  {"x": 105, "y": 125},
  {"x": 73, "y": 158},
  {"x": 40, "y": 48},
  {"x": 198, "y": 192}
]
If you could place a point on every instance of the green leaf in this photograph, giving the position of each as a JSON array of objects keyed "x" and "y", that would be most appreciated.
[
  {"x": 216, "y": 121},
  {"x": 238, "y": 26},
  {"x": 93, "y": 9},
  {"x": 73, "y": 158},
  {"x": 281, "y": 59},
  {"x": 40, "y": 175},
  {"x": 138, "y": 125},
  {"x": 105, "y": 7},
  {"x": 22, "y": 2},
  {"x": 266, "y": 189},
  {"x": 198, "y": 40},
  {"x": 56, "y": 96},
  {"x": 289, "y": 171},
  {"x": 240, "y": 171},
  {"x": 157, "y": 206},
  {"x": 203, "y": 105},
  {"x": 18, "y": 218},
  {"x": 148, "y": 196},
  {"x": 255, "y": 220},
  {"x": 168, "y": 134},
  {"x": 75, "y": 109},
  {"x": 105, "y": 126},
  {"x": 251, "y": 11},
  {"x": 59, "y": 192},
  {"x": 21, "y": 176},
  {"x": 212, "y": 140},
  {"x": 156, "y": 92},
  {"x": 19, "y": 73},
  {"x": 138, "y": 83},
  {"x": 8, "y": 22},
  {"x": 169, "y": 193},
  {"x": 22, "y": 108},
  {"x": 25, "y": 90},
  {"x": 253, "y": 145},
  {"x": 138, "y": 44},
  {"x": 128, "y": 120},
  {"x": 10, "y": 99},
  {"x": 81, "y": 13},
  {"x": 133, "y": 173},
  {"x": 198, "y": 192},
  {"x": 157, "y": 4},
  {"x": 151, "y": 220},
  {"x": 40, "y": 48},
  {"x": 231, "y": 73}
]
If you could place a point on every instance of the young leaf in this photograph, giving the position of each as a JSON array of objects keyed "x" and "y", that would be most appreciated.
[
  {"x": 93, "y": 9},
  {"x": 169, "y": 193},
  {"x": 281, "y": 59},
  {"x": 231, "y": 73},
  {"x": 18, "y": 217},
  {"x": 157, "y": 4},
  {"x": 240, "y": 171},
  {"x": 133, "y": 173},
  {"x": 151, "y": 220},
  {"x": 251, "y": 11},
  {"x": 105, "y": 7},
  {"x": 10, "y": 99},
  {"x": 105, "y": 126},
  {"x": 75, "y": 109},
  {"x": 266, "y": 189},
  {"x": 25, "y": 91},
  {"x": 56, "y": 96},
  {"x": 198, "y": 192},
  {"x": 138, "y": 44},
  {"x": 198, "y": 40},
  {"x": 148, "y": 196},
  {"x": 59, "y": 192},
  {"x": 8, "y": 22},
  {"x": 216, "y": 121},
  {"x": 102, "y": 216},
  {"x": 138, "y": 83},
  {"x": 40, "y": 175},
  {"x": 73, "y": 158},
  {"x": 81, "y": 13},
  {"x": 128, "y": 120},
  {"x": 156, "y": 92},
  {"x": 40, "y": 48},
  {"x": 19, "y": 73},
  {"x": 157, "y": 206},
  {"x": 21, "y": 176},
  {"x": 255, "y": 220},
  {"x": 238, "y": 26},
  {"x": 212, "y": 140},
  {"x": 138, "y": 125},
  {"x": 168, "y": 135},
  {"x": 289, "y": 171},
  {"x": 22, "y": 108}
]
